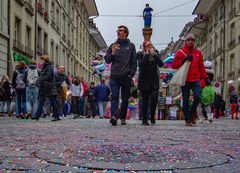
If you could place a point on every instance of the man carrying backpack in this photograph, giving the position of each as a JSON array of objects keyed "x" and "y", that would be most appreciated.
[
  {"x": 32, "y": 89},
  {"x": 19, "y": 80}
]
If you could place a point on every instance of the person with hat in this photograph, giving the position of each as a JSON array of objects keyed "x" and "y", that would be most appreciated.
[
  {"x": 195, "y": 73},
  {"x": 47, "y": 89}
]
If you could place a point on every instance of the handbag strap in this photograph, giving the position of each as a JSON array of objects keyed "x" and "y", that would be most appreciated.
[{"x": 183, "y": 52}]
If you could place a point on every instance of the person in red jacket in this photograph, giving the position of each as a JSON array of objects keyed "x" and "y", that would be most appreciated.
[{"x": 196, "y": 72}]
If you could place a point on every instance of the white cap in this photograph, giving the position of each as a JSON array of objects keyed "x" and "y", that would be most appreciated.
[
  {"x": 188, "y": 36},
  {"x": 207, "y": 64}
]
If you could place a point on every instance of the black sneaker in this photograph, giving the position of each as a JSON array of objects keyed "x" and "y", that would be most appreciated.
[
  {"x": 153, "y": 121},
  {"x": 145, "y": 123},
  {"x": 56, "y": 119},
  {"x": 123, "y": 122},
  {"x": 113, "y": 121},
  {"x": 35, "y": 118}
]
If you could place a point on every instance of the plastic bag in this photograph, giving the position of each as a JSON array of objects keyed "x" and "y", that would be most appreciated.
[
  {"x": 207, "y": 97},
  {"x": 179, "y": 78}
]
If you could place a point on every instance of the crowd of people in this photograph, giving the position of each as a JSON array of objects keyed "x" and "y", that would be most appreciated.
[{"x": 37, "y": 92}]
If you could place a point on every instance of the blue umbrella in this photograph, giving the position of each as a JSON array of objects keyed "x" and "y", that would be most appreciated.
[{"x": 169, "y": 59}]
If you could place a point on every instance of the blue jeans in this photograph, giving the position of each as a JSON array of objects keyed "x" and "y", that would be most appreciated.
[
  {"x": 196, "y": 89},
  {"x": 54, "y": 105},
  {"x": 116, "y": 85},
  {"x": 21, "y": 101},
  {"x": 81, "y": 105},
  {"x": 8, "y": 103},
  {"x": 102, "y": 108},
  {"x": 32, "y": 97}
]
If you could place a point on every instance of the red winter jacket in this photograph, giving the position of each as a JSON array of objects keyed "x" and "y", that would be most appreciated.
[{"x": 196, "y": 69}]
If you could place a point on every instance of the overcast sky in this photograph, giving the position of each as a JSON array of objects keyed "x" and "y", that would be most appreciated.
[{"x": 163, "y": 27}]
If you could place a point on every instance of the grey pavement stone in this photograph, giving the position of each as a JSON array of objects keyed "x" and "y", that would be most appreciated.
[{"x": 93, "y": 145}]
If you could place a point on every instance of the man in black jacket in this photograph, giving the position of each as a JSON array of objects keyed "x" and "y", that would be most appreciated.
[
  {"x": 122, "y": 55},
  {"x": 47, "y": 89}
]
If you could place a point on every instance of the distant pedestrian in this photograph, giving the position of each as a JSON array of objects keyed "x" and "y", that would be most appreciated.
[
  {"x": 122, "y": 55},
  {"x": 47, "y": 89},
  {"x": 32, "y": 89},
  {"x": 204, "y": 107},
  {"x": 82, "y": 99},
  {"x": 196, "y": 72},
  {"x": 102, "y": 96},
  {"x": 62, "y": 84},
  {"x": 148, "y": 81},
  {"x": 234, "y": 104},
  {"x": 19, "y": 81},
  {"x": 218, "y": 104},
  {"x": 6, "y": 96},
  {"x": 76, "y": 90},
  {"x": 91, "y": 99}
]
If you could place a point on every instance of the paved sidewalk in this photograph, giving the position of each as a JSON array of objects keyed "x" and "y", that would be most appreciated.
[{"x": 93, "y": 145}]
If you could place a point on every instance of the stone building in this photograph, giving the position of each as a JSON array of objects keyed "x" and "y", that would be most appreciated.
[
  {"x": 4, "y": 37},
  {"x": 58, "y": 28},
  {"x": 218, "y": 36}
]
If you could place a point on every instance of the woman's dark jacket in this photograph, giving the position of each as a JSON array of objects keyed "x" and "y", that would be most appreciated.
[
  {"x": 148, "y": 71},
  {"x": 46, "y": 81}
]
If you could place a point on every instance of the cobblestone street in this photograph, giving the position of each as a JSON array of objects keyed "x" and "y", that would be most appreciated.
[{"x": 93, "y": 145}]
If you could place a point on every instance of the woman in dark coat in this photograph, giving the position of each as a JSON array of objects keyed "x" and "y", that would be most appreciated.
[
  {"x": 19, "y": 81},
  {"x": 6, "y": 97},
  {"x": 47, "y": 88},
  {"x": 148, "y": 82}
]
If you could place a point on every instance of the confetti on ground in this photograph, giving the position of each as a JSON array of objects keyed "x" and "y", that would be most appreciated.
[{"x": 92, "y": 145}]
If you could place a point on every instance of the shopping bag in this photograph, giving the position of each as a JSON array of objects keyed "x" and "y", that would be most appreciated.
[{"x": 179, "y": 78}]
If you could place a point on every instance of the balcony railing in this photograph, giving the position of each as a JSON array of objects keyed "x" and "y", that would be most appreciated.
[
  {"x": 28, "y": 51},
  {"x": 220, "y": 50},
  {"x": 45, "y": 51},
  {"x": 231, "y": 44},
  {"x": 17, "y": 44},
  {"x": 219, "y": 78},
  {"x": 231, "y": 74},
  {"x": 214, "y": 54},
  {"x": 64, "y": 37},
  {"x": 68, "y": 43},
  {"x": 29, "y": 8},
  {"x": 58, "y": 29},
  {"x": 40, "y": 8},
  {"x": 46, "y": 17},
  {"x": 232, "y": 12},
  {"x": 20, "y": 2},
  {"x": 53, "y": 24},
  {"x": 210, "y": 29},
  {"x": 39, "y": 50}
]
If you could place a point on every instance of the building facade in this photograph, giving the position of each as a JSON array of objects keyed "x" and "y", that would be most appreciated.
[
  {"x": 4, "y": 37},
  {"x": 58, "y": 28},
  {"x": 219, "y": 37}
]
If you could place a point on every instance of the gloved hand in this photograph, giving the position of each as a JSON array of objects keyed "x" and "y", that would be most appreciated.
[
  {"x": 207, "y": 81},
  {"x": 188, "y": 58}
]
